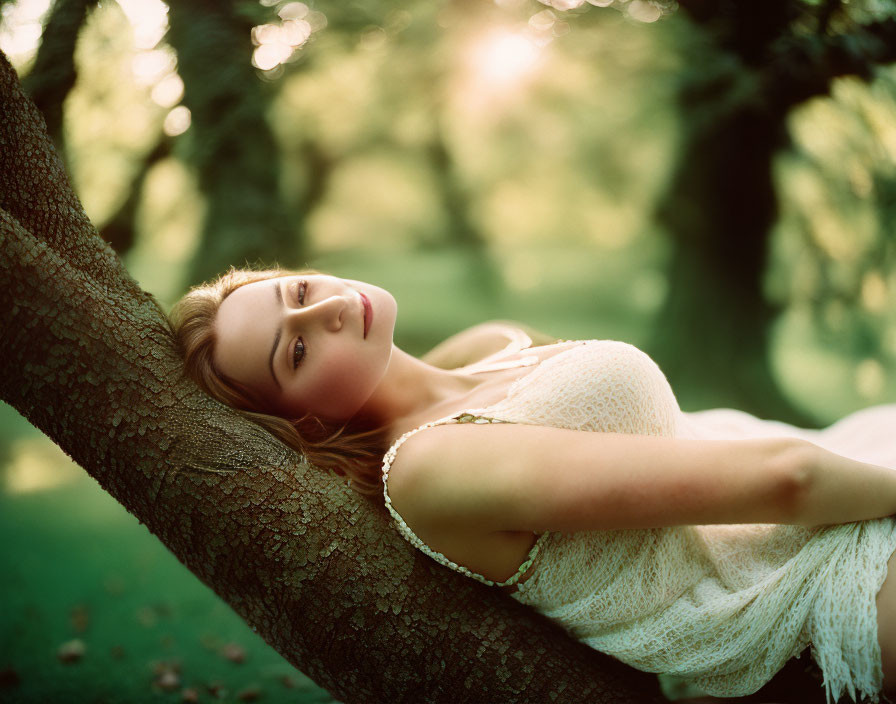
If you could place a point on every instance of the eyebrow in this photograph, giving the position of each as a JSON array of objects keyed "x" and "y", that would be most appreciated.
[{"x": 278, "y": 294}]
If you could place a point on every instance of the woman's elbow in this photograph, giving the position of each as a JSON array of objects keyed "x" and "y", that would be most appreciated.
[{"x": 794, "y": 461}]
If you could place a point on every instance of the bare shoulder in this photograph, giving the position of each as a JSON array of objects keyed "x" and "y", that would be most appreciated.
[
  {"x": 429, "y": 451},
  {"x": 425, "y": 461},
  {"x": 417, "y": 455},
  {"x": 464, "y": 472}
]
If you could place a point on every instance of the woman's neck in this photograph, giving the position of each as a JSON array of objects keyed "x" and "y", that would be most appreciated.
[{"x": 412, "y": 389}]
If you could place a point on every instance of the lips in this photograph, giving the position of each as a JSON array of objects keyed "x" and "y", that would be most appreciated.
[{"x": 368, "y": 313}]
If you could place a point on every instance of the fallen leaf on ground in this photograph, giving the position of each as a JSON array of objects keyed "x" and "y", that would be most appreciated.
[
  {"x": 234, "y": 653},
  {"x": 249, "y": 694},
  {"x": 71, "y": 651}
]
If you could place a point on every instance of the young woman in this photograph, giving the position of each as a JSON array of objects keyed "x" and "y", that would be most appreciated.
[{"x": 710, "y": 546}]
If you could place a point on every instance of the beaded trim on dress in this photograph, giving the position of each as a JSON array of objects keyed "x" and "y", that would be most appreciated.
[{"x": 411, "y": 537}]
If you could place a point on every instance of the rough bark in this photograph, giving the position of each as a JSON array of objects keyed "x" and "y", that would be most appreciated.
[{"x": 87, "y": 357}]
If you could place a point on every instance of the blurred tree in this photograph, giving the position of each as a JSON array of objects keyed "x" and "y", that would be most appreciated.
[
  {"x": 413, "y": 80},
  {"x": 319, "y": 165},
  {"x": 750, "y": 65},
  {"x": 839, "y": 181},
  {"x": 461, "y": 231},
  {"x": 120, "y": 230},
  {"x": 88, "y": 358},
  {"x": 230, "y": 142},
  {"x": 53, "y": 73}
]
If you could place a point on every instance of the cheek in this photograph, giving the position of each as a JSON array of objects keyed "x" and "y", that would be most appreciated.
[{"x": 341, "y": 385}]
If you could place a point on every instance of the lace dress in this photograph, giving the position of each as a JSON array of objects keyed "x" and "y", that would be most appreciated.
[{"x": 720, "y": 608}]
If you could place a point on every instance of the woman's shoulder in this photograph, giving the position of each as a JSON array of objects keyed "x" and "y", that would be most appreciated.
[
  {"x": 417, "y": 453},
  {"x": 429, "y": 474}
]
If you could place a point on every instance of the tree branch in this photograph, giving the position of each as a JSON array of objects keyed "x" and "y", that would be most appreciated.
[{"x": 35, "y": 190}]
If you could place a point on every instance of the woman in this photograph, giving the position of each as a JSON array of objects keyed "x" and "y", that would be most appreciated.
[{"x": 711, "y": 547}]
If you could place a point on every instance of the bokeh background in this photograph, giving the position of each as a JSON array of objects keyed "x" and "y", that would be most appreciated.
[{"x": 700, "y": 187}]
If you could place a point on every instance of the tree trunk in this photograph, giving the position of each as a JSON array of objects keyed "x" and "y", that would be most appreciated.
[
  {"x": 323, "y": 576},
  {"x": 711, "y": 337},
  {"x": 752, "y": 67}
]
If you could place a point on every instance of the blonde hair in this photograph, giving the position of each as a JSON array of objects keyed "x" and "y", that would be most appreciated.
[{"x": 357, "y": 455}]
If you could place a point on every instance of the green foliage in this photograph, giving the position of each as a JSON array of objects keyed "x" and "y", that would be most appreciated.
[{"x": 566, "y": 153}]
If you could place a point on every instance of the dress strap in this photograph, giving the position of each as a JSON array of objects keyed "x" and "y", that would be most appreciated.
[{"x": 410, "y": 536}]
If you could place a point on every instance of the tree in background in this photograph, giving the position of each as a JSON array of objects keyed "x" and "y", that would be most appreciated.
[
  {"x": 246, "y": 219},
  {"x": 418, "y": 81},
  {"x": 753, "y": 64},
  {"x": 53, "y": 74},
  {"x": 231, "y": 145}
]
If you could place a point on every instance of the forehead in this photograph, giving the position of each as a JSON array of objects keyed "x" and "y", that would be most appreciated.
[{"x": 244, "y": 329}]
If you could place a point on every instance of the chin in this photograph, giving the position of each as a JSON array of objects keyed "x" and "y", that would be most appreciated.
[{"x": 391, "y": 309}]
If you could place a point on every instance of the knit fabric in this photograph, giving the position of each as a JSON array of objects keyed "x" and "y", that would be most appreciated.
[{"x": 720, "y": 608}]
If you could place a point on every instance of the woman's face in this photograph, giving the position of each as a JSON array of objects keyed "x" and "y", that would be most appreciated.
[{"x": 310, "y": 343}]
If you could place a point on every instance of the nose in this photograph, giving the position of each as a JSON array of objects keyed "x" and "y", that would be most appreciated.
[{"x": 327, "y": 313}]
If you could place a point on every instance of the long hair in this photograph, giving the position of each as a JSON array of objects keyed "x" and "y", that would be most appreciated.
[{"x": 357, "y": 455}]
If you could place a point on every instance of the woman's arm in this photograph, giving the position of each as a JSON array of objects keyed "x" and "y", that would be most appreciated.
[
  {"x": 483, "y": 340},
  {"x": 502, "y": 477},
  {"x": 521, "y": 477}
]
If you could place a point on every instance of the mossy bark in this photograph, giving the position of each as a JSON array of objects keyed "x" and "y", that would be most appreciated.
[{"x": 323, "y": 576}]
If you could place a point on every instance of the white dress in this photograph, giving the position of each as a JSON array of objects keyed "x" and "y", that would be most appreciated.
[{"x": 720, "y": 608}]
